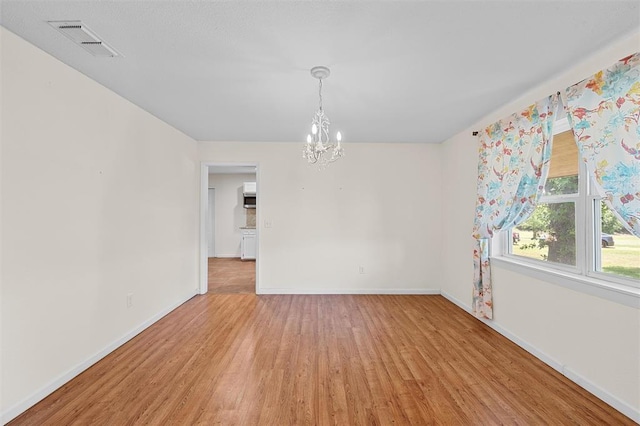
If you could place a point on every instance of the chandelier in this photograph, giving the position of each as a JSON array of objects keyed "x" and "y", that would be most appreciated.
[{"x": 319, "y": 149}]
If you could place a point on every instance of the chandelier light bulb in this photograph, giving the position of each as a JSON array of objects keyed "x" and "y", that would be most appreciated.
[
  {"x": 308, "y": 138},
  {"x": 314, "y": 129},
  {"x": 339, "y": 136}
]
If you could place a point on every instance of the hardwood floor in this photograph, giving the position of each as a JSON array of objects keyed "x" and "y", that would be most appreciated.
[
  {"x": 240, "y": 359},
  {"x": 231, "y": 275}
]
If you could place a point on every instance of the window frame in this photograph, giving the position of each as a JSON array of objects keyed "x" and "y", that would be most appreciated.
[{"x": 584, "y": 276}]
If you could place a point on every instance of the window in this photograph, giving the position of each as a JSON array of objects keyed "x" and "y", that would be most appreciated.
[
  {"x": 571, "y": 229},
  {"x": 619, "y": 252}
]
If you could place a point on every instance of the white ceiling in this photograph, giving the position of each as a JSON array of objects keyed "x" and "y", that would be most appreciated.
[{"x": 410, "y": 71}]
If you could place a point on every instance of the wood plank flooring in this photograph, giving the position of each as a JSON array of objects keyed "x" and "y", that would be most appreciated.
[
  {"x": 231, "y": 275},
  {"x": 242, "y": 359}
]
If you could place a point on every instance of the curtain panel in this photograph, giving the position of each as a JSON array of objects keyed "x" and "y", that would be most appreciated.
[
  {"x": 513, "y": 163},
  {"x": 603, "y": 112}
]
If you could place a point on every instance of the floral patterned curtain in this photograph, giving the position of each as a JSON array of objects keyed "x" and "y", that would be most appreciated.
[
  {"x": 512, "y": 170},
  {"x": 603, "y": 112}
]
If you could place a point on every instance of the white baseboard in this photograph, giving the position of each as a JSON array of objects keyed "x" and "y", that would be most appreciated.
[
  {"x": 399, "y": 291},
  {"x": 623, "y": 407},
  {"x": 227, "y": 256},
  {"x": 19, "y": 408}
]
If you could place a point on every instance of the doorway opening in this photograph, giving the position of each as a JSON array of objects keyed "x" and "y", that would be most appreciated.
[{"x": 228, "y": 232}]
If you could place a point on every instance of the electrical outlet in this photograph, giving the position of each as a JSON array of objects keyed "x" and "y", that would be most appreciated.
[
  {"x": 267, "y": 224},
  {"x": 361, "y": 269},
  {"x": 129, "y": 300}
]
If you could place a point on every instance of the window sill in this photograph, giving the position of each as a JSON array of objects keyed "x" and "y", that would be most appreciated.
[{"x": 619, "y": 293}]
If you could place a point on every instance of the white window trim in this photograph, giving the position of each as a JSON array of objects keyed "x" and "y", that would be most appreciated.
[
  {"x": 581, "y": 277},
  {"x": 565, "y": 276}
]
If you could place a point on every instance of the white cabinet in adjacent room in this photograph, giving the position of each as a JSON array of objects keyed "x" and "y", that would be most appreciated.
[{"x": 248, "y": 246}]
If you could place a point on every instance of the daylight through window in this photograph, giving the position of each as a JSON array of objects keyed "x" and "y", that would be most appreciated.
[{"x": 571, "y": 228}]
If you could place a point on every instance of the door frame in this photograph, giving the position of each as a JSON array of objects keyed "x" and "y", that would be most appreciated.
[
  {"x": 203, "y": 284},
  {"x": 211, "y": 222}
]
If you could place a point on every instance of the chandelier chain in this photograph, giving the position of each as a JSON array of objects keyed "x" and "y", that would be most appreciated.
[{"x": 320, "y": 93}]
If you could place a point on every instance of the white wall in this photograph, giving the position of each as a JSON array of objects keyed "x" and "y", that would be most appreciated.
[
  {"x": 230, "y": 214},
  {"x": 378, "y": 208},
  {"x": 99, "y": 199},
  {"x": 2, "y": 326},
  {"x": 593, "y": 339}
]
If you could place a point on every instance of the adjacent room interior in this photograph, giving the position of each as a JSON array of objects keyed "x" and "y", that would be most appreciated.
[
  {"x": 231, "y": 232},
  {"x": 212, "y": 252}
]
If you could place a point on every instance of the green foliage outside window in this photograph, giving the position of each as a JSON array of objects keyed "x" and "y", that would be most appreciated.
[
  {"x": 553, "y": 224},
  {"x": 610, "y": 223}
]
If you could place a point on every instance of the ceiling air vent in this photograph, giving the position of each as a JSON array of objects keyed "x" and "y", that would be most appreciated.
[{"x": 84, "y": 37}]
